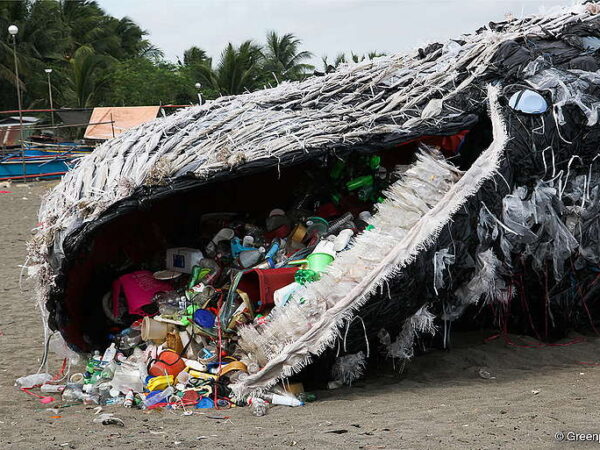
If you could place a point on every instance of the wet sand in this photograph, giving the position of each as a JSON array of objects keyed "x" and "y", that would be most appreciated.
[{"x": 440, "y": 401}]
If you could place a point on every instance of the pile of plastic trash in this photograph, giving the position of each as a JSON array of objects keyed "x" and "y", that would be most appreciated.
[{"x": 173, "y": 331}]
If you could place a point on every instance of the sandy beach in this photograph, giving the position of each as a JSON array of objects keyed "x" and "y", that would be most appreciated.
[{"x": 441, "y": 400}]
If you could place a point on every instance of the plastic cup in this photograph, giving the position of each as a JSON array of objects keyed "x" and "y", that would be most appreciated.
[
  {"x": 249, "y": 258},
  {"x": 153, "y": 330},
  {"x": 319, "y": 261},
  {"x": 225, "y": 234}
]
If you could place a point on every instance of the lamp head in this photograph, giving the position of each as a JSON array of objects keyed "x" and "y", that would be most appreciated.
[
  {"x": 13, "y": 30},
  {"x": 198, "y": 85},
  {"x": 48, "y": 70}
]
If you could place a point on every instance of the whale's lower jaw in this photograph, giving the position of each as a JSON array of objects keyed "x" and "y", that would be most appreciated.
[{"x": 416, "y": 208}]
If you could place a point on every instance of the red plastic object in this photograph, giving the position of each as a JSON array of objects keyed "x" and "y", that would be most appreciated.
[
  {"x": 260, "y": 284},
  {"x": 167, "y": 363},
  {"x": 280, "y": 232},
  {"x": 138, "y": 288},
  {"x": 327, "y": 211}
]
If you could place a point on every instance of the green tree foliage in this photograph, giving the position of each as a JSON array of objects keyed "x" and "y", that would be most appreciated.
[
  {"x": 85, "y": 77},
  {"x": 238, "y": 70},
  {"x": 100, "y": 60},
  {"x": 140, "y": 81},
  {"x": 76, "y": 39},
  {"x": 283, "y": 59}
]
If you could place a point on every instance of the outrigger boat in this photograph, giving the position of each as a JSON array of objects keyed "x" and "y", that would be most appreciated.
[{"x": 39, "y": 163}]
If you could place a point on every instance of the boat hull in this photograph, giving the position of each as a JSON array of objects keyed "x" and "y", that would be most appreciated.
[{"x": 42, "y": 165}]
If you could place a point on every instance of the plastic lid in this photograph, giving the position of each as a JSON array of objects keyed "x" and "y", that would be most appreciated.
[{"x": 528, "y": 102}]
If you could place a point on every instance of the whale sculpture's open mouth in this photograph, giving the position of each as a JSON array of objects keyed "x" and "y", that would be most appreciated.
[
  {"x": 138, "y": 238},
  {"x": 417, "y": 206}
]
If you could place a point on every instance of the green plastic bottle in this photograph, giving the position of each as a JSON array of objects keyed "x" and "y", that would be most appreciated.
[{"x": 357, "y": 183}]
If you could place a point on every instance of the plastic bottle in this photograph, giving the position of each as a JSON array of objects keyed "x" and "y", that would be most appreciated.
[
  {"x": 157, "y": 398},
  {"x": 29, "y": 381},
  {"x": 52, "y": 387},
  {"x": 259, "y": 406},
  {"x": 359, "y": 182},
  {"x": 342, "y": 240},
  {"x": 307, "y": 397},
  {"x": 109, "y": 370},
  {"x": 273, "y": 249},
  {"x": 284, "y": 400},
  {"x": 72, "y": 393},
  {"x": 109, "y": 355},
  {"x": 96, "y": 358},
  {"x": 104, "y": 393},
  {"x": 91, "y": 399},
  {"x": 128, "y": 399}
]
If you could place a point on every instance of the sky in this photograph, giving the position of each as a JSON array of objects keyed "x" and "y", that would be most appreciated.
[{"x": 326, "y": 27}]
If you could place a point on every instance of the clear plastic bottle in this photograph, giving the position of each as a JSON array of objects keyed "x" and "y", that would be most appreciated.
[
  {"x": 109, "y": 355},
  {"x": 157, "y": 398},
  {"x": 72, "y": 393},
  {"x": 285, "y": 400},
  {"x": 29, "y": 381}
]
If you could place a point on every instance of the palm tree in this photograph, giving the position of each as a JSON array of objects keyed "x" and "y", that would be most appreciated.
[
  {"x": 194, "y": 55},
  {"x": 282, "y": 58},
  {"x": 84, "y": 78},
  {"x": 237, "y": 71},
  {"x": 40, "y": 43}
]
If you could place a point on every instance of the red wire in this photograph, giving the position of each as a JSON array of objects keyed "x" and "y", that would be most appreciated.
[
  {"x": 27, "y": 391},
  {"x": 61, "y": 372},
  {"x": 219, "y": 350}
]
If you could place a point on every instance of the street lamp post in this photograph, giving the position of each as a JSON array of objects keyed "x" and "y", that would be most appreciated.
[
  {"x": 198, "y": 86},
  {"x": 48, "y": 72},
  {"x": 13, "y": 30}
]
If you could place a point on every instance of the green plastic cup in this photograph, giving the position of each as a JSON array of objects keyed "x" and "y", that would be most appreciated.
[{"x": 319, "y": 261}]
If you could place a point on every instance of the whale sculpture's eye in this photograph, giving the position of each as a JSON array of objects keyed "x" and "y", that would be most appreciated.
[{"x": 528, "y": 102}]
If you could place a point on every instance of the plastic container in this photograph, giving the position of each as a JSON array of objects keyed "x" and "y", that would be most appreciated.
[
  {"x": 127, "y": 377},
  {"x": 183, "y": 259},
  {"x": 30, "y": 381},
  {"x": 167, "y": 363},
  {"x": 342, "y": 240},
  {"x": 77, "y": 378},
  {"x": 284, "y": 400},
  {"x": 52, "y": 387},
  {"x": 319, "y": 261},
  {"x": 109, "y": 355},
  {"x": 261, "y": 284},
  {"x": 282, "y": 295},
  {"x": 159, "y": 397},
  {"x": 153, "y": 330}
]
